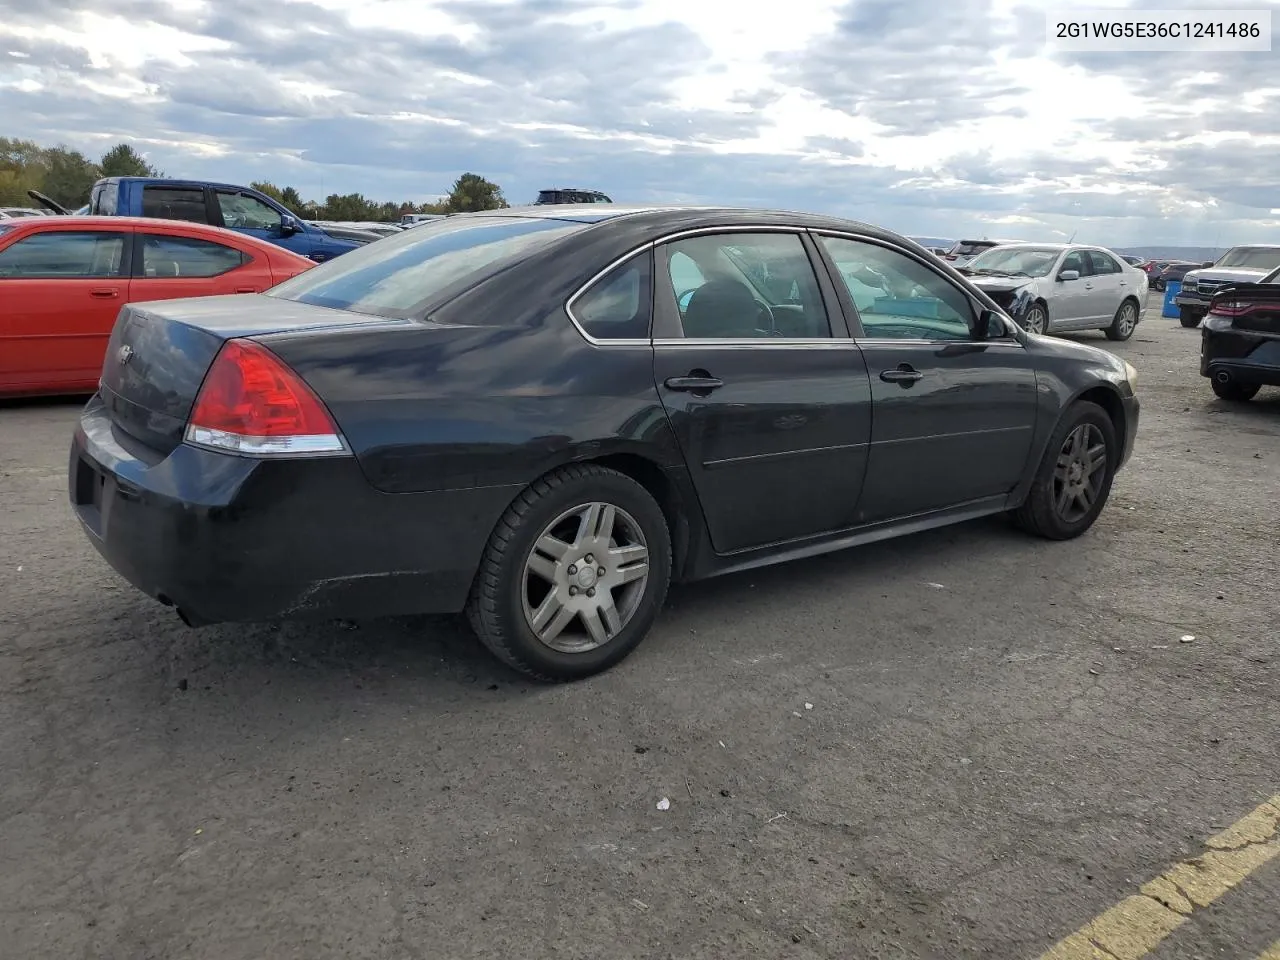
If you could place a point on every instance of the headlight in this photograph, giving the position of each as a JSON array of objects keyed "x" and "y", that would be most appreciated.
[{"x": 1130, "y": 374}]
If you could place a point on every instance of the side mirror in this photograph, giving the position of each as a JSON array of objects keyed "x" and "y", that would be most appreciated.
[
  {"x": 289, "y": 225},
  {"x": 1208, "y": 263},
  {"x": 1069, "y": 275},
  {"x": 989, "y": 326}
]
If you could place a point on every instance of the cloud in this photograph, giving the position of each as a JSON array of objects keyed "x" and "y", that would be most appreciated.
[{"x": 929, "y": 118}]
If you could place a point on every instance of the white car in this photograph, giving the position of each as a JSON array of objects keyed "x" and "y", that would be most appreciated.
[{"x": 1055, "y": 287}]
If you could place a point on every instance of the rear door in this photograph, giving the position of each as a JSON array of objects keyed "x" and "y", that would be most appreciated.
[
  {"x": 952, "y": 415},
  {"x": 168, "y": 266},
  {"x": 765, "y": 391},
  {"x": 1110, "y": 285},
  {"x": 61, "y": 291}
]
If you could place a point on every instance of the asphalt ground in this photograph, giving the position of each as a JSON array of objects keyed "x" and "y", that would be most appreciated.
[{"x": 967, "y": 743}]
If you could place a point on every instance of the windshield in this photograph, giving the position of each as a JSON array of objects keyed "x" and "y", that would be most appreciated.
[
  {"x": 1017, "y": 262},
  {"x": 1251, "y": 258},
  {"x": 397, "y": 276}
]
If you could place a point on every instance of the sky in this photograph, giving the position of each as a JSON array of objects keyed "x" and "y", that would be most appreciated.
[{"x": 941, "y": 118}]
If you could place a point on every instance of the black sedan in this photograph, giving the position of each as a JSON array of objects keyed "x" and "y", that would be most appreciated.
[
  {"x": 544, "y": 416},
  {"x": 1240, "y": 339}
]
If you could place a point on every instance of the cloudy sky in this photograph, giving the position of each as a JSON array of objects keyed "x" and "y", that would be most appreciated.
[{"x": 932, "y": 117}]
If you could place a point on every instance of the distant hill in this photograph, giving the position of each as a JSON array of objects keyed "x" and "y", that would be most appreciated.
[
  {"x": 1192, "y": 254},
  {"x": 932, "y": 241}
]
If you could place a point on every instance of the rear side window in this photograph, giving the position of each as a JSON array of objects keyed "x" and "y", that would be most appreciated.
[
  {"x": 619, "y": 305},
  {"x": 1103, "y": 264},
  {"x": 187, "y": 257},
  {"x": 398, "y": 276},
  {"x": 174, "y": 203},
  {"x": 70, "y": 255}
]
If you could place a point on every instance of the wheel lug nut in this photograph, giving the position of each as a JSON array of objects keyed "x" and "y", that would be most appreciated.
[
  {"x": 573, "y": 591},
  {"x": 589, "y": 559},
  {"x": 600, "y": 571},
  {"x": 591, "y": 592},
  {"x": 573, "y": 568}
]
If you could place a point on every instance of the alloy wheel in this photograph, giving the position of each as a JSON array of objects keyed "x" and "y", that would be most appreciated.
[
  {"x": 1080, "y": 472},
  {"x": 1035, "y": 321},
  {"x": 1128, "y": 320},
  {"x": 584, "y": 577}
]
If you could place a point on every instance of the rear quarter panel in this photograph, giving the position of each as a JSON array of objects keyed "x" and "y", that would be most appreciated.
[{"x": 431, "y": 407}]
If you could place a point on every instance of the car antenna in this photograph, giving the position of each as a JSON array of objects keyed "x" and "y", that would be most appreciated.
[{"x": 1072, "y": 238}]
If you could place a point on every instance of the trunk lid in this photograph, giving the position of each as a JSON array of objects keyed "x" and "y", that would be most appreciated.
[{"x": 160, "y": 351}]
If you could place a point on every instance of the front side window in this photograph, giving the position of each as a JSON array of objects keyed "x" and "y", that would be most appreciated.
[
  {"x": 745, "y": 286},
  {"x": 242, "y": 211},
  {"x": 64, "y": 255},
  {"x": 164, "y": 256},
  {"x": 897, "y": 297},
  {"x": 175, "y": 203},
  {"x": 1075, "y": 260},
  {"x": 619, "y": 305},
  {"x": 398, "y": 276}
]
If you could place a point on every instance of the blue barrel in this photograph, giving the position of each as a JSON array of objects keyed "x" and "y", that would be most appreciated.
[{"x": 1171, "y": 289}]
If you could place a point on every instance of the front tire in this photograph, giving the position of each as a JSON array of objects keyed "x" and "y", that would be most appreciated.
[
  {"x": 574, "y": 574},
  {"x": 1036, "y": 320},
  {"x": 1188, "y": 318},
  {"x": 1235, "y": 392},
  {"x": 1125, "y": 322},
  {"x": 1073, "y": 481}
]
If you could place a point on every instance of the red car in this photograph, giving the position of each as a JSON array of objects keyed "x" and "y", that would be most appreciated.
[{"x": 64, "y": 279}]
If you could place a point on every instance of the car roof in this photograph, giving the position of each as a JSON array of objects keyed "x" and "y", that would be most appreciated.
[
  {"x": 204, "y": 230},
  {"x": 684, "y": 216}
]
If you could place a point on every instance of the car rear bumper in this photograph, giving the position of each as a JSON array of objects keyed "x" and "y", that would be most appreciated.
[
  {"x": 227, "y": 538},
  {"x": 1243, "y": 356}
]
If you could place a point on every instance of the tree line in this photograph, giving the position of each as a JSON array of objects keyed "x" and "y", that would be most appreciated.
[{"x": 66, "y": 176}]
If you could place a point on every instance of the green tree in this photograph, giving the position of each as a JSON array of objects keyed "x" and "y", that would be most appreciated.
[
  {"x": 123, "y": 161},
  {"x": 68, "y": 176},
  {"x": 472, "y": 192},
  {"x": 292, "y": 199}
]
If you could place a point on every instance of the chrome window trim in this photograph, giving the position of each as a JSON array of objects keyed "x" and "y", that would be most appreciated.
[
  {"x": 586, "y": 288},
  {"x": 820, "y": 343}
]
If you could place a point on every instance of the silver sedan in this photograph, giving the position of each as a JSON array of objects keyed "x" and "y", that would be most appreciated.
[{"x": 1054, "y": 287}]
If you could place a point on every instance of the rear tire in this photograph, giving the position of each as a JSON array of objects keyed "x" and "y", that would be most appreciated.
[
  {"x": 1188, "y": 318},
  {"x": 536, "y": 616},
  {"x": 1235, "y": 392},
  {"x": 1073, "y": 481},
  {"x": 1125, "y": 322}
]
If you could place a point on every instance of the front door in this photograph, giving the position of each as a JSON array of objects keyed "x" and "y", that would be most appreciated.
[
  {"x": 1071, "y": 301},
  {"x": 952, "y": 415},
  {"x": 61, "y": 291},
  {"x": 765, "y": 391}
]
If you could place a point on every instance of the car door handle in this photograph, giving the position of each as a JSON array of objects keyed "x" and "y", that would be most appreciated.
[
  {"x": 904, "y": 374},
  {"x": 105, "y": 293},
  {"x": 693, "y": 384},
  {"x": 246, "y": 289}
]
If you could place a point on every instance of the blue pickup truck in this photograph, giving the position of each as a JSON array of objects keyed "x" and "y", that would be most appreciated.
[{"x": 223, "y": 205}]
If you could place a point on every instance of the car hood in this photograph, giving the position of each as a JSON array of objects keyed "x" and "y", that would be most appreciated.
[
  {"x": 1247, "y": 274},
  {"x": 992, "y": 284}
]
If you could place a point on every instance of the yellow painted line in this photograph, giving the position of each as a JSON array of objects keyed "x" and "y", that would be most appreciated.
[
  {"x": 1272, "y": 952},
  {"x": 1136, "y": 925}
]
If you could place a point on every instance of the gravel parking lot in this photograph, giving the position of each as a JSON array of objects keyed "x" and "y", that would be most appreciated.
[{"x": 968, "y": 743}]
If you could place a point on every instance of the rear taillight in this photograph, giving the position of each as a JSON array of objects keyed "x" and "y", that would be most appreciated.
[
  {"x": 252, "y": 403},
  {"x": 1231, "y": 308}
]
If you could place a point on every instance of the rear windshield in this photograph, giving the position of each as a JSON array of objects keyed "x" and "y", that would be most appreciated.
[
  {"x": 399, "y": 275},
  {"x": 967, "y": 248},
  {"x": 1256, "y": 258}
]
